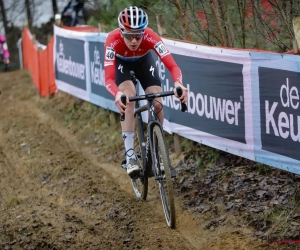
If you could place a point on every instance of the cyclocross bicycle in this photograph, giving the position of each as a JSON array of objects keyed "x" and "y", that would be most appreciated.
[{"x": 152, "y": 152}]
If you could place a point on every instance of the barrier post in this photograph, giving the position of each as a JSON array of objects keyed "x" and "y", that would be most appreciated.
[
  {"x": 177, "y": 146},
  {"x": 20, "y": 50},
  {"x": 296, "y": 28},
  {"x": 162, "y": 31},
  {"x": 295, "y": 47},
  {"x": 101, "y": 27},
  {"x": 112, "y": 117},
  {"x": 49, "y": 37}
]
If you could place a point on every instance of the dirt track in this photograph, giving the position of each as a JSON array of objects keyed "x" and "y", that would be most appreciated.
[{"x": 60, "y": 189}]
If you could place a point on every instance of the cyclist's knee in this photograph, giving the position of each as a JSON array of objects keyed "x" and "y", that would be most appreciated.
[
  {"x": 130, "y": 106},
  {"x": 128, "y": 88},
  {"x": 157, "y": 103}
]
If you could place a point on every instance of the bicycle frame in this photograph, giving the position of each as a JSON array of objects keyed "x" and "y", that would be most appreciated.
[
  {"x": 152, "y": 121},
  {"x": 158, "y": 156}
]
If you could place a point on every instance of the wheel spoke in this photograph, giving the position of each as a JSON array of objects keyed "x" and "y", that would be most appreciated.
[
  {"x": 163, "y": 173},
  {"x": 139, "y": 184}
]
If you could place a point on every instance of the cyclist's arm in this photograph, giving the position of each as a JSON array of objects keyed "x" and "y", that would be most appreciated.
[
  {"x": 110, "y": 68},
  {"x": 109, "y": 72},
  {"x": 171, "y": 65},
  {"x": 166, "y": 57}
]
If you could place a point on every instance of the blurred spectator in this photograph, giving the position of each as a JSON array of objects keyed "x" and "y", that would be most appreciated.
[
  {"x": 73, "y": 13},
  {"x": 4, "y": 50}
]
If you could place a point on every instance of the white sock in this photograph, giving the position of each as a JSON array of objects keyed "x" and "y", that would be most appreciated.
[{"x": 128, "y": 138}]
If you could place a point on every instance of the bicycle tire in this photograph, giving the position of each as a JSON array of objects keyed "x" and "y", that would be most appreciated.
[
  {"x": 140, "y": 184},
  {"x": 164, "y": 180}
]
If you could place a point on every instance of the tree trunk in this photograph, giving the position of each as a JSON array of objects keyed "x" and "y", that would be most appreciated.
[
  {"x": 54, "y": 7},
  {"x": 226, "y": 23},
  {"x": 255, "y": 24},
  {"x": 215, "y": 9},
  {"x": 241, "y": 7},
  {"x": 4, "y": 18},
  {"x": 28, "y": 12},
  {"x": 183, "y": 21}
]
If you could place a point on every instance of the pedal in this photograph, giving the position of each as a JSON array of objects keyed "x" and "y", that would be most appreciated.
[
  {"x": 123, "y": 164},
  {"x": 135, "y": 175}
]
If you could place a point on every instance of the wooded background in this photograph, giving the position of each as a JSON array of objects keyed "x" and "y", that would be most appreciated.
[{"x": 248, "y": 24}]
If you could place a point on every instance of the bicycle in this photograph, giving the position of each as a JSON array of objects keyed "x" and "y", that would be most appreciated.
[{"x": 152, "y": 153}]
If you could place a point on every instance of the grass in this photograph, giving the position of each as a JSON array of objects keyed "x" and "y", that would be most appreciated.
[
  {"x": 263, "y": 169},
  {"x": 11, "y": 202},
  {"x": 95, "y": 125}
]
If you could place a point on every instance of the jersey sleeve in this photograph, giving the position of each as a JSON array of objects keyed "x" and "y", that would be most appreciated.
[
  {"x": 110, "y": 67},
  {"x": 167, "y": 58}
]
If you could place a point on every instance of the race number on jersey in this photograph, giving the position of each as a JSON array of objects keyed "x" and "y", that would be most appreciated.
[
  {"x": 109, "y": 54},
  {"x": 161, "y": 49}
]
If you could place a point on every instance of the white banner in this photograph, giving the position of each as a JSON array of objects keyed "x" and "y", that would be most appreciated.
[{"x": 245, "y": 103}]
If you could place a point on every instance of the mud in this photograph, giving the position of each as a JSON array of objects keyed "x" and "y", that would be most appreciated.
[{"x": 62, "y": 187}]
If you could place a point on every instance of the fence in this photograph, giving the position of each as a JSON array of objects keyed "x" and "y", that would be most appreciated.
[
  {"x": 38, "y": 59},
  {"x": 242, "y": 102}
]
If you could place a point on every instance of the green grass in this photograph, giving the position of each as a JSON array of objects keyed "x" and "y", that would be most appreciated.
[{"x": 11, "y": 202}]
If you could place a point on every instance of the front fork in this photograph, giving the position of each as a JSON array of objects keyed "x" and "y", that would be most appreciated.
[{"x": 154, "y": 161}]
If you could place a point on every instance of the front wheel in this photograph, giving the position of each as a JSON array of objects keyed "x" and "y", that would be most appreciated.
[
  {"x": 140, "y": 183},
  {"x": 161, "y": 163}
]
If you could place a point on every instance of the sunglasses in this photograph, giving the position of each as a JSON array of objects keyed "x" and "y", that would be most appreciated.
[{"x": 131, "y": 36}]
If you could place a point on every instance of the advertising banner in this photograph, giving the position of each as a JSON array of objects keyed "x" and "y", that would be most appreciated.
[
  {"x": 245, "y": 103},
  {"x": 280, "y": 116},
  {"x": 99, "y": 95},
  {"x": 70, "y": 62}
]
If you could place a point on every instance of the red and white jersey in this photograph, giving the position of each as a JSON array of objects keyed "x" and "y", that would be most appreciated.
[{"x": 115, "y": 47}]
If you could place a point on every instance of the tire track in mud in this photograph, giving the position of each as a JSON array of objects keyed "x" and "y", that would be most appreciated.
[
  {"x": 120, "y": 178},
  {"x": 67, "y": 197},
  {"x": 63, "y": 197},
  {"x": 189, "y": 228}
]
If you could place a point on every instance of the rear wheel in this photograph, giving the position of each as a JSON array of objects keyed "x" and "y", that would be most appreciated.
[
  {"x": 163, "y": 173},
  {"x": 140, "y": 183}
]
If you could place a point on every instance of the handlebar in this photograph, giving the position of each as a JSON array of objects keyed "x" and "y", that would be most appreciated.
[
  {"x": 153, "y": 96},
  {"x": 183, "y": 105},
  {"x": 123, "y": 100}
]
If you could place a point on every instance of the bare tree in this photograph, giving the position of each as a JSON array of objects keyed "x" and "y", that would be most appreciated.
[
  {"x": 182, "y": 16},
  {"x": 253, "y": 24},
  {"x": 28, "y": 12},
  {"x": 242, "y": 15},
  {"x": 215, "y": 7},
  {"x": 4, "y": 18},
  {"x": 54, "y": 7}
]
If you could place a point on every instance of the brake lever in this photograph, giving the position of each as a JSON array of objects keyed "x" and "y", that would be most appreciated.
[
  {"x": 123, "y": 100},
  {"x": 179, "y": 93}
]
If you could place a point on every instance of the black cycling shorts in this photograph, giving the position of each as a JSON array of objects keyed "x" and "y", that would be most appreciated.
[{"x": 144, "y": 69}]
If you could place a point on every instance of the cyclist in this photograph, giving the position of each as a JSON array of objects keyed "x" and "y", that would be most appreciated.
[
  {"x": 4, "y": 49},
  {"x": 73, "y": 13},
  {"x": 128, "y": 48}
]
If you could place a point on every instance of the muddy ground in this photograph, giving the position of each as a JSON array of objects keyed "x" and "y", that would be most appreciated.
[{"x": 62, "y": 187}]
